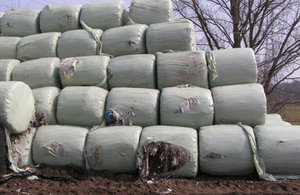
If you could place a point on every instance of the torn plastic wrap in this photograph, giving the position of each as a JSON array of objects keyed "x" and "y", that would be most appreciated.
[
  {"x": 188, "y": 106},
  {"x": 168, "y": 151},
  {"x": 20, "y": 22},
  {"x": 38, "y": 73},
  {"x": 125, "y": 40},
  {"x": 103, "y": 15},
  {"x": 232, "y": 66},
  {"x": 113, "y": 149},
  {"x": 150, "y": 12},
  {"x": 79, "y": 43},
  {"x": 136, "y": 106},
  {"x": 19, "y": 149},
  {"x": 16, "y": 106},
  {"x": 81, "y": 106},
  {"x": 38, "y": 46},
  {"x": 138, "y": 71},
  {"x": 84, "y": 71},
  {"x": 179, "y": 68},
  {"x": 56, "y": 145},
  {"x": 218, "y": 157},
  {"x": 245, "y": 103},
  {"x": 176, "y": 36},
  {"x": 60, "y": 18},
  {"x": 8, "y": 47},
  {"x": 6, "y": 68},
  {"x": 45, "y": 104}
]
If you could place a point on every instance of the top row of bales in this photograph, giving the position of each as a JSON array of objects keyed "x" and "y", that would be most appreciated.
[{"x": 98, "y": 15}]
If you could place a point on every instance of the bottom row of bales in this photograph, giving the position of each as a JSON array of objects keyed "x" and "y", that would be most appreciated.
[{"x": 163, "y": 150}]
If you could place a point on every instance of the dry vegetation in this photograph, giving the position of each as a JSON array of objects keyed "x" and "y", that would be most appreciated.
[{"x": 291, "y": 114}]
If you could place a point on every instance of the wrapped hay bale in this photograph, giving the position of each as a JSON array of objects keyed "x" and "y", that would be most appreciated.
[
  {"x": 186, "y": 106},
  {"x": 175, "y": 148},
  {"x": 103, "y": 15},
  {"x": 278, "y": 148},
  {"x": 125, "y": 40},
  {"x": 45, "y": 104},
  {"x": 60, "y": 18},
  {"x": 56, "y": 145},
  {"x": 38, "y": 73},
  {"x": 8, "y": 47},
  {"x": 6, "y": 68},
  {"x": 231, "y": 66},
  {"x": 245, "y": 103},
  {"x": 87, "y": 71},
  {"x": 132, "y": 71},
  {"x": 132, "y": 106},
  {"x": 16, "y": 106},
  {"x": 113, "y": 148},
  {"x": 274, "y": 117},
  {"x": 188, "y": 67},
  {"x": 20, "y": 149},
  {"x": 78, "y": 43},
  {"x": 38, "y": 46},
  {"x": 150, "y": 12},
  {"x": 176, "y": 36},
  {"x": 275, "y": 120},
  {"x": 82, "y": 106},
  {"x": 20, "y": 22},
  {"x": 225, "y": 150}
]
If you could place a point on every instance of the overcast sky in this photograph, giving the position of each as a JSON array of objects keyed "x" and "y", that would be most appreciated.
[{"x": 5, "y": 5}]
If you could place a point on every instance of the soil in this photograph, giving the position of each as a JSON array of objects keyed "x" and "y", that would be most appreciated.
[{"x": 76, "y": 181}]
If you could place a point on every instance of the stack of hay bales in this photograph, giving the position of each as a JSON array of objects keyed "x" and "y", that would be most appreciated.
[{"x": 108, "y": 86}]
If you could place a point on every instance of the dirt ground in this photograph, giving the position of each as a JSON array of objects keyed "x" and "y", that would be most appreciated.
[{"x": 84, "y": 182}]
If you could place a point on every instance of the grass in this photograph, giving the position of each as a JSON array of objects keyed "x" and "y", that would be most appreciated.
[{"x": 291, "y": 114}]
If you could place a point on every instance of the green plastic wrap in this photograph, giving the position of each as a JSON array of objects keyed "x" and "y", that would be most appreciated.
[
  {"x": 186, "y": 106},
  {"x": 56, "y": 145},
  {"x": 103, "y": 15},
  {"x": 225, "y": 150},
  {"x": 6, "y": 68},
  {"x": 60, "y": 18},
  {"x": 38, "y": 73},
  {"x": 38, "y": 46},
  {"x": 20, "y": 22},
  {"x": 81, "y": 106},
  {"x": 113, "y": 149},
  {"x": 138, "y": 71},
  {"x": 187, "y": 67}
]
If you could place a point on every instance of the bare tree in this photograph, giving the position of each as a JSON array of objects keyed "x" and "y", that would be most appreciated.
[{"x": 270, "y": 27}]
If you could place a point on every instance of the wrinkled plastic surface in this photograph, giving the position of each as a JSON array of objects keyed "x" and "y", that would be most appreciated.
[
  {"x": 81, "y": 106},
  {"x": 181, "y": 136},
  {"x": 279, "y": 148},
  {"x": 113, "y": 149},
  {"x": 38, "y": 46},
  {"x": 225, "y": 150},
  {"x": 56, "y": 145},
  {"x": 150, "y": 12},
  {"x": 38, "y": 73},
  {"x": 125, "y": 40},
  {"x": 8, "y": 47},
  {"x": 234, "y": 66},
  {"x": 20, "y": 22},
  {"x": 188, "y": 67},
  {"x": 84, "y": 71},
  {"x": 186, "y": 106},
  {"x": 138, "y": 105},
  {"x": 16, "y": 106},
  {"x": 78, "y": 43},
  {"x": 60, "y": 18},
  {"x": 176, "y": 36},
  {"x": 138, "y": 71},
  {"x": 46, "y": 102},
  {"x": 103, "y": 15},
  {"x": 6, "y": 68},
  {"x": 245, "y": 103}
]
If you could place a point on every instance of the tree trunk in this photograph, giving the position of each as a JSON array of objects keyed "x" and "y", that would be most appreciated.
[{"x": 235, "y": 13}]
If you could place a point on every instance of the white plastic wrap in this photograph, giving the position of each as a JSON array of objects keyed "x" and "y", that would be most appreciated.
[
  {"x": 6, "y": 68},
  {"x": 8, "y": 47}
]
